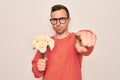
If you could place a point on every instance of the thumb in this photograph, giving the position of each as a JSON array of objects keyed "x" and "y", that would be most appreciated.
[{"x": 80, "y": 48}]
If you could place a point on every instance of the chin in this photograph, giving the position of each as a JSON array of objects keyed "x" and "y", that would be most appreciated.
[{"x": 59, "y": 32}]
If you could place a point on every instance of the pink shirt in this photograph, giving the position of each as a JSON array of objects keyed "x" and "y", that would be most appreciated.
[{"x": 64, "y": 62}]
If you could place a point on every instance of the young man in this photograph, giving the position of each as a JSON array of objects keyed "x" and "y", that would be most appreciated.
[{"x": 64, "y": 61}]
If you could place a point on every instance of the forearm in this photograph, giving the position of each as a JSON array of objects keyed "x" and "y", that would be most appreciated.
[{"x": 36, "y": 72}]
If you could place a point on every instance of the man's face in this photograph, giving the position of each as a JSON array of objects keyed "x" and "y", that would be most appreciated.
[{"x": 60, "y": 21}]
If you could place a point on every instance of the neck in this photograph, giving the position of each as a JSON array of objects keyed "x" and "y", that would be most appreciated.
[{"x": 61, "y": 36}]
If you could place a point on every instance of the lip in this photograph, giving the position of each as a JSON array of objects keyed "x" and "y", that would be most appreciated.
[{"x": 58, "y": 29}]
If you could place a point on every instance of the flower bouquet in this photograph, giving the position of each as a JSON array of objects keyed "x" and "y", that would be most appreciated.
[{"x": 41, "y": 43}]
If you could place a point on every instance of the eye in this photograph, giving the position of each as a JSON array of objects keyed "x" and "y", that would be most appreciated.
[
  {"x": 62, "y": 19},
  {"x": 53, "y": 20}
]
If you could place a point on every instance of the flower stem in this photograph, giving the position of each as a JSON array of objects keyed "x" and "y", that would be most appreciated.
[{"x": 43, "y": 55}]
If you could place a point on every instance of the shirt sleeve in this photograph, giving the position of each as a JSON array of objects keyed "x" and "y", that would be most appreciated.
[
  {"x": 89, "y": 51},
  {"x": 36, "y": 72}
]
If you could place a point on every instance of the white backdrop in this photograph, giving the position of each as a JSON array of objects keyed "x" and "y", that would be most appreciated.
[{"x": 21, "y": 19}]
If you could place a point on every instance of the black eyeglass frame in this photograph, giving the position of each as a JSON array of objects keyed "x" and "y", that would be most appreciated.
[{"x": 60, "y": 20}]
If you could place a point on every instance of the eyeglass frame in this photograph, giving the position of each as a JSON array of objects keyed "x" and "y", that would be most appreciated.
[{"x": 56, "y": 19}]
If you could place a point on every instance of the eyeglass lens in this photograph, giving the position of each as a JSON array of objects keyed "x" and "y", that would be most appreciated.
[{"x": 62, "y": 20}]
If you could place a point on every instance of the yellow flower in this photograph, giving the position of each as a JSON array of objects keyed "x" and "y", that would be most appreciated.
[
  {"x": 41, "y": 46},
  {"x": 41, "y": 42},
  {"x": 51, "y": 44}
]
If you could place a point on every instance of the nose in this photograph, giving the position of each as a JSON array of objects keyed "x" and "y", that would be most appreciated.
[{"x": 58, "y": 22}]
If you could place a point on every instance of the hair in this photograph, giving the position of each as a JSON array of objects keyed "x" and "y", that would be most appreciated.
[{"x": 59, "y": 7}]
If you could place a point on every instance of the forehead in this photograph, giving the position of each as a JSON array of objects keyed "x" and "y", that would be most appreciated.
[{"x": 59, "y": 13}]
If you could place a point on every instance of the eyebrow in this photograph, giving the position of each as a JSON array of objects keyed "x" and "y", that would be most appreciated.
[{"x": 59, "y": 18}]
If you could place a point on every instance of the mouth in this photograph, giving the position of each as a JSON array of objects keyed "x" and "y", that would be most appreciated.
[{"x": 58, "y": 28}]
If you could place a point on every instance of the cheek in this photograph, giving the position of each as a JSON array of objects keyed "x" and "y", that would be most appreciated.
[
  {"x": 53, "y": 27},
  {"x": 66, "y": 25}
]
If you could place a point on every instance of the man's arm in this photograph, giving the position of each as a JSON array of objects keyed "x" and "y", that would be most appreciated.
[
  {"x": 35, "y": 70},
  {"x": 85, "y": 42}
]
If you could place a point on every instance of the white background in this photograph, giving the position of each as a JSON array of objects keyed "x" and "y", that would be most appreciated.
[{"x": 21, "y": 19}]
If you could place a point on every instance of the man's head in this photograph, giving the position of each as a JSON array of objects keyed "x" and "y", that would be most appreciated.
[
  {"x": 60, "y": 18},
  {"x": 59, "y": 7}
]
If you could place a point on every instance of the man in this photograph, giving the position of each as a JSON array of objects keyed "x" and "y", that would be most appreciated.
[{"x": 64, "y": 61}]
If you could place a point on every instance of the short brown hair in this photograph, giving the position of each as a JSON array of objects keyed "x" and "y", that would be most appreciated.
[{"x": 59, "y": 7}]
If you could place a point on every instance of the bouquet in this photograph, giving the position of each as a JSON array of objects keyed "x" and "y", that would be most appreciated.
[{"x": 41, "y": 42}]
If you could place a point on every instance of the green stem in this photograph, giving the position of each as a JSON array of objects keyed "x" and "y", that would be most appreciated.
[{"x": 43, "y": 55}]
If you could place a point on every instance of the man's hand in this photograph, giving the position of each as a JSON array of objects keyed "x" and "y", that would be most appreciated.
[
  {"x": 41, "y": 64},
  {"x": 84, "y": 39}
]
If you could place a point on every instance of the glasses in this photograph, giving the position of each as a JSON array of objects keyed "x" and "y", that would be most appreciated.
[{"x": 61, "y": 20}]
